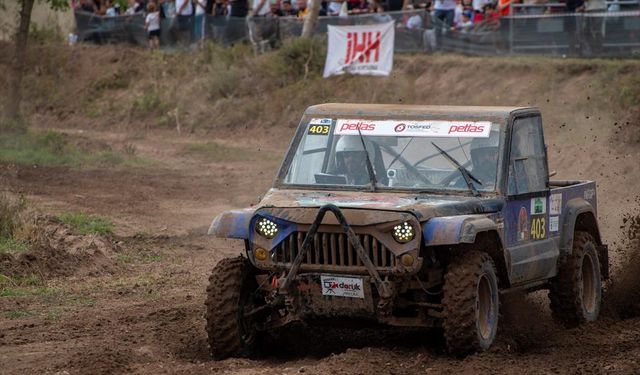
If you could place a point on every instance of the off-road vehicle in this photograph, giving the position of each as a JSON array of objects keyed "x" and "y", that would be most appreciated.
[{"x": 408, "y": 216}]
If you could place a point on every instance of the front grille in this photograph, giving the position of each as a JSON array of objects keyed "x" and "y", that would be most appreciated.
[{"x": 333, "y": 252}]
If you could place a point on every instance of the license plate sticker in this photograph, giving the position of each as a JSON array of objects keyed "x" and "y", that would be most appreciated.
[{"x": 342, "y": 286}]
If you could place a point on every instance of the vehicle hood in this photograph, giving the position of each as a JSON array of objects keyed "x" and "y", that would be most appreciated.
[{"x": 423, "y": 206}]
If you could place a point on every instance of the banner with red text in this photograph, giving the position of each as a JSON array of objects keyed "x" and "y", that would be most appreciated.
[{"x": 365, "y": 49}]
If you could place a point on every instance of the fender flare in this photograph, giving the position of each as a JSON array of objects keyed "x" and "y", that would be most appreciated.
[
  {"x": 232, "y": 224},
  {"x": 574, "y": 208},
  {"x": 452, "y": 230}
]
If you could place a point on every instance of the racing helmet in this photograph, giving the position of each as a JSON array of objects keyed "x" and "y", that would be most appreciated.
[
  {"x": 483, "y": 148},
  {"x": 351, "y": 145}
]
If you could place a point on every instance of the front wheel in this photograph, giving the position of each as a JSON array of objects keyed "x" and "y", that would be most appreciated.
[
  {"x": 232, "y": 295},
  {"x": 575, "y": 293},
  {"x": 471, "y": 303}
]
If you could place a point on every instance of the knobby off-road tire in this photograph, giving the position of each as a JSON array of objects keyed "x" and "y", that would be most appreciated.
[
  {"x": 471, "y": 303},
  {"x": 230, "y": 293},
  {"x": 575, "y": 293}
]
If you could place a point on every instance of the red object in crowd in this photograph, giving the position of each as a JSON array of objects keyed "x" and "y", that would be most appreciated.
[
  {"x": 505, "y": 7},
  {"x": 478, "y": 17}
]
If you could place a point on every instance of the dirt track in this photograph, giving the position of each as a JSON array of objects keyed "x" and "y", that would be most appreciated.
[
  {"x": 144, "y": 313},
  {"x": 146, "y": 316}
]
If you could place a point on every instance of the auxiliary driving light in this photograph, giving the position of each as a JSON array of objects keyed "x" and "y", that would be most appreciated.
[
  {"x": 267, "y": 228},
  {"x": 403, "y": 233},
  {"x": 260, "y": 254},
  {"x": 406, "y": 260}
]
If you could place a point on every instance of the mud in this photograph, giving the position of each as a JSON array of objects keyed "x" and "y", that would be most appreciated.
[
  {"x": 134, "y": 303},
  {"x": 55, "y": 250},
  {"x": 623, "y": 295}
]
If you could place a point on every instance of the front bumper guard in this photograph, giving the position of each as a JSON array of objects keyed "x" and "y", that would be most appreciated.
[{"x": 384, "y": 287}]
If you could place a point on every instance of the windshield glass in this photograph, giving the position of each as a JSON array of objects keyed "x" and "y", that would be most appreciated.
[{"x": 403, "y": 154}]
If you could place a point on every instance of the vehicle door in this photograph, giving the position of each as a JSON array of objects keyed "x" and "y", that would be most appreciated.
[{"x": 531, "y": 252}]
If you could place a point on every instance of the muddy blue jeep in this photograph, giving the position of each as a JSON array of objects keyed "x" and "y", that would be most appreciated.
[{"x": 408, "y": 216}]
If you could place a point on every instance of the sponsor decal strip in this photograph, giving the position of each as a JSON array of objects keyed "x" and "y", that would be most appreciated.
[{"x": 382, "y": 128}]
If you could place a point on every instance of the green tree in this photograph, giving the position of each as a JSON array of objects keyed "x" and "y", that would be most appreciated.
[{"x": 25, "y": 7}]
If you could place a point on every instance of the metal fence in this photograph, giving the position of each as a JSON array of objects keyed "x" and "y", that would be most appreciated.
[{"x": 592, "y": 34}]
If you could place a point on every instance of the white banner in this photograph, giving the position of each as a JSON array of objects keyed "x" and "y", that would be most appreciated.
[
  {"x": 382, "y": 128},
  {"x": 364, "y": 49}
]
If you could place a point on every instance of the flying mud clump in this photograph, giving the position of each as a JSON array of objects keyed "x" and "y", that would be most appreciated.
[{"x": 624, "y": 291}]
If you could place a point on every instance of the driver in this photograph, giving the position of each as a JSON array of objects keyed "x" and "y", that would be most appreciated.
[
  {"x": 351, "y": 160},
  {"x": 484, "y": 158}
]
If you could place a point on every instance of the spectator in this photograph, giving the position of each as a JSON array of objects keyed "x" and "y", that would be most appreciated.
[
  {"x": 198, "y": 29},
  {"x": 260, "y": 8},
  {"x": 110, "y": 9},
  {"x": 134, "y": 6},
  {"x": 152, "y": 25},
  {"x": 504, "y": 8},
  {"x": 274, "y": 9},
  {"x": 491, "y": 15},
  {"x": 444, "y": 10},
  {"x": 466, "y": 24},
  {"x": 572, "y": 6},
  {"x": 238, "y": 8},
  {"x": 478, "y": 9},
  {"x": 220, "y": 8},
  {"x": 415, "y": 21},
  {"x": 380, "y": 16},
  {"x": 334, "y": 7},
  {"x": 183, "y": 26},
  {"x": 302, "y": 9},
  {"x": 594, "y": 30},
  {"x": 87, "y": 6},
  {"x": 287, "y": 9},
  {"x": 457, "y": 13},
  {"x": 357, "y": 6}
]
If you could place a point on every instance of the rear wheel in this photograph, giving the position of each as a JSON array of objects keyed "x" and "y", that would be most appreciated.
[
  {"x": 576, "y": 292},
  {"x": 232, "y": 300},
  {"x": 471, "y": 303}
]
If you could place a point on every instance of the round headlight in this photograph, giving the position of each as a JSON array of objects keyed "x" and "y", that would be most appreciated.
[
  {"x": 266, "y": 228},
  {"x": 403, "y": 233}
]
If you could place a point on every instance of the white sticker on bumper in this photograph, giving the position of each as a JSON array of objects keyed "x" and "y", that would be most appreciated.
[{"x": 342, "y": 286}]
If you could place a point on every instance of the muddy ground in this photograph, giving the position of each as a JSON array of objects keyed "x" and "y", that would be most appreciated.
[
  {"x": 142, "y": 311},
  {"x": 145, "y": 314}
]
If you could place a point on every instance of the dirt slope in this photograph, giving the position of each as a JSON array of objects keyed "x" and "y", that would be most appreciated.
[{"x": 147, "y": 315}]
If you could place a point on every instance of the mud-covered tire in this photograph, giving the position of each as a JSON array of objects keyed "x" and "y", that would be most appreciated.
[
  {"x": 575, "y": 294},
  {"x": 231, "y": 286},
  {"x": 471, "y": 303}
]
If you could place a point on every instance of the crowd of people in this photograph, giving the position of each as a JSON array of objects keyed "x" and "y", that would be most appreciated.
[{"x": 188, "y": 16}]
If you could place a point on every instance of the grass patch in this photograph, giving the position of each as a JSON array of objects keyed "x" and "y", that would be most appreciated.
[
  {"x": 139, "y": 258},
  {"x": 41, "y": 291},
  {"x": 11, "y": 246},
  {"x": 87, "y": 224},
  {"x": 56, "y": 149},
  {"x": 19, "y": 281}
]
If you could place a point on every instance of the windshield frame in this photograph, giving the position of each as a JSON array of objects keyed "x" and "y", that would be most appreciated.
[{"x": 280, "y": 183}]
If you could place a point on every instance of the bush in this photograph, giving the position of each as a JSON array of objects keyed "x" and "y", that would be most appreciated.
[
  {"x": 10, "y": 210},
  {"x": 299, "y": 58}
]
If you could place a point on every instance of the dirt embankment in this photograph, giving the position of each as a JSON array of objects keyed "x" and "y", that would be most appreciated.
[{"x": 214, "y": 125}]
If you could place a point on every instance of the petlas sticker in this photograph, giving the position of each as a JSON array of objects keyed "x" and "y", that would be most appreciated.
[{"x": 382, "y": 128}]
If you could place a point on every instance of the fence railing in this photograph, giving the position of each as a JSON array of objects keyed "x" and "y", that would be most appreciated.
[{"x": 591, "y": 34}]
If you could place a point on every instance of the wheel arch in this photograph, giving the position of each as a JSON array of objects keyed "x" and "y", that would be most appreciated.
[{"x": 581, "y": 217}]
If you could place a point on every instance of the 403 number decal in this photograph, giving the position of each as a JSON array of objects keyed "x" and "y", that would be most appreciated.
[
  {"x": 319, "y": 129},
  {"x": 538, "y": 228}
]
